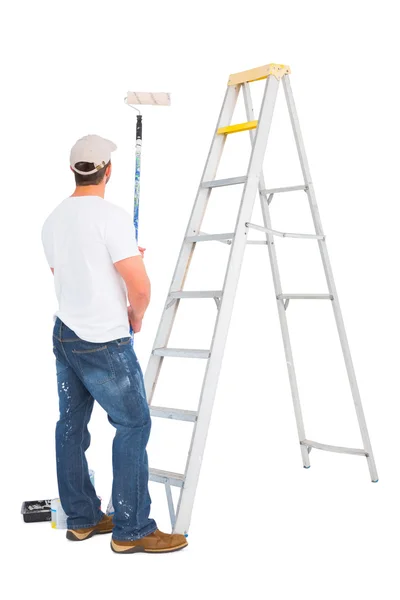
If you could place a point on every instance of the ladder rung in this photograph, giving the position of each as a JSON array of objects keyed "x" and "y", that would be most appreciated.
[
  {"x": 305, "y": 297},
  {"x": 238, "y": 127},
  {"x": 293, "y": 188},
  {"x": 181, "y": 353},
  {"x": 166, "y": 477},
  {"x": 205, "y": 237},
  {"x": 339, "y": 449},
  {"x": 282, "y": 234},
  {"x": 205, "y": 294},
  {"x": 223, "y": 182},
  {"x": 173, "y": 413}
]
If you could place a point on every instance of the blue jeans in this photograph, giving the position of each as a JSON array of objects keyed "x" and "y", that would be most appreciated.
[{"x": 110, "y": 374}]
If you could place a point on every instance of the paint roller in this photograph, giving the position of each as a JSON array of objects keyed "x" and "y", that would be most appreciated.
[{"x": 134, "y": 99}]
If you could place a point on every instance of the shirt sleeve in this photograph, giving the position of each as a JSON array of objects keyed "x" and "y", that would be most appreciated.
[
  {"x": 48, "y": 244},
  {"x": 120, "y": 236}
]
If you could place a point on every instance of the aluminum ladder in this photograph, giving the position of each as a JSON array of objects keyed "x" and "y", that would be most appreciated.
[{"x": 252, "y": 181}]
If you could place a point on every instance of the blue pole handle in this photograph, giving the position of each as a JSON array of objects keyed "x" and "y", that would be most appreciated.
[{"x": 138, "y": 159}]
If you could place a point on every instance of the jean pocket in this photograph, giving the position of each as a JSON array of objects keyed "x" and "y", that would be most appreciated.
[
  {"x": 124, "y": 341},
  {"x": 95, "y": 365}
]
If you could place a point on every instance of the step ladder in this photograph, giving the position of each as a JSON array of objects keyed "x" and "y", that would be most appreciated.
[{"x": 224, "y": 298}]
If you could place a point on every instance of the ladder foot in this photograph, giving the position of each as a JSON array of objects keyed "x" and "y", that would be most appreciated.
[
  {"x": 309, "y": 467},
  {"x": 375, "y": 480}
]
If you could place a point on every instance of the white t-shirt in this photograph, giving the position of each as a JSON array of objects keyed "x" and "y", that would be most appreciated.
[{"x": 83, "y": 238}]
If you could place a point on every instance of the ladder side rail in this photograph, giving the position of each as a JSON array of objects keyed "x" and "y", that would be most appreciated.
[
  {"x": 278, "y": 292},
  {"x": 329, "y": 277},
  {"x": 169, "y": 312},
  {"x": 213, "y": 368}
]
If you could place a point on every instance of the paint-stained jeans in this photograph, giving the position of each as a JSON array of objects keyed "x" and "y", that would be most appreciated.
[{"x": 110, "y": 374}]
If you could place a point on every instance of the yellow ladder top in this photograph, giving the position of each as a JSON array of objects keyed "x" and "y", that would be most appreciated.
[{"x": 258, "y": 73}]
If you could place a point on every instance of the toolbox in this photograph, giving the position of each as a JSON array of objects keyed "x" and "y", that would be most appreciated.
[{"x": 36, "y": 510}]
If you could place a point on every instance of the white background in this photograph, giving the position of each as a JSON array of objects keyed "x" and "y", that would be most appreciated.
[{"x": 262, "y": 526}]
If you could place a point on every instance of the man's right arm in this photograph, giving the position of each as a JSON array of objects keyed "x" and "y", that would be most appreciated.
[{"x": 133, "y": 272}]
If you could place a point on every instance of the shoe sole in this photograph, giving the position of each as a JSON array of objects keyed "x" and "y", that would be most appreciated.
[
  {"x": 136, "y": 549},
  {"x": 73, "y": 536}
]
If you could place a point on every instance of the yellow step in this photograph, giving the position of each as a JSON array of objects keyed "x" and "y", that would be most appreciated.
[{"x": 236, "y": 128}]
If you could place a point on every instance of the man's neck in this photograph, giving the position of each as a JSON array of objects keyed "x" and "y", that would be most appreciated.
[{"x": 90, "y": 190}]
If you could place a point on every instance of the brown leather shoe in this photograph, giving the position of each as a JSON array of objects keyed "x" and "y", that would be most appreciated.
[
  {"x": 155, "y": 542},
  {"x": 78, "y": 535}
]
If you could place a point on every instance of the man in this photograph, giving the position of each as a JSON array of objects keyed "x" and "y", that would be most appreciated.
[{"x": 91, "y": 248}]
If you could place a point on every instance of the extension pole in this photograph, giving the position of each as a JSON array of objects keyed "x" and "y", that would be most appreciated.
[{"x": 138, "y": 158}]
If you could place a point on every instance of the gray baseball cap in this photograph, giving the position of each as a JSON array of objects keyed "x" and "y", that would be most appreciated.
[{"x": 91, "y": 149}]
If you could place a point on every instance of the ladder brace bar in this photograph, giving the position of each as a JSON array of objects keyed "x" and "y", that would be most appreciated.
[
  {"x": 225, "y": 238},
  {"x": 293, "y": 188},
  {"x": 305, "y": 236},
  {"x": 222, "y": 238},
  {"x": 339, "y": 449}
]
